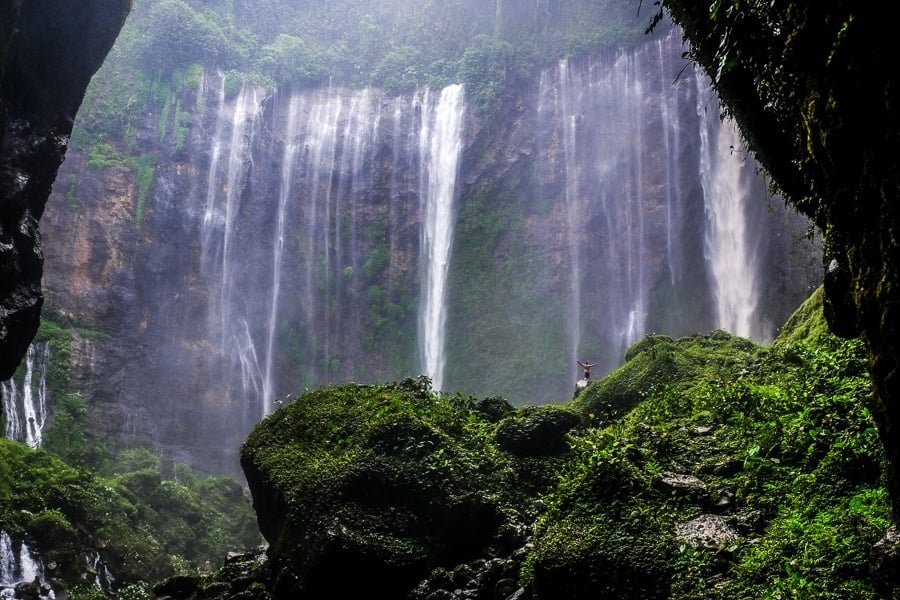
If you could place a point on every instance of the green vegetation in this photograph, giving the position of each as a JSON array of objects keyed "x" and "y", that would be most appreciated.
[
  {"x": 818, "y": 113},
  {"x": 144, "y": 167},
  {"x": 145, "y": 526},
  {"x": 706, "y": 467},
  {"x": 392, "y": 480},
  {"x": 71, "y": 496},
  {"x": 782, "y": 447}
]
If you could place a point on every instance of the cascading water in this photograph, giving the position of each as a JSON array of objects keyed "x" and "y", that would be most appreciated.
[
  {"x": 287, "y": 169},
  {"x": 18, "y": 564},
  {"x": 597, "y": 111},
  {"x": 305, "y": 238},
  {"x": 234, "y": 131},
  {"x": 728, "y": 245},
  {"x": 25, "y": 404},
  {"x": 440, "y": 143}
]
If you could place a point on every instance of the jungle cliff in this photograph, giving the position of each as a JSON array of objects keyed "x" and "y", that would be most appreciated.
[
  {"x": 244, "y": 242},
  {"x": 49, "y": 49}
]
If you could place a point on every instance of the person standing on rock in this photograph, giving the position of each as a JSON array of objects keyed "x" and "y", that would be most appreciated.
[{"x": 583, "y": 383}]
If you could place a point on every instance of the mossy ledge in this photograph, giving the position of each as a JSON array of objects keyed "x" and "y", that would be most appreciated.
[{"x": 705, "y": 467}]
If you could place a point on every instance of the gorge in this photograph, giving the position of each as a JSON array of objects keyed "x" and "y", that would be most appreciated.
[
  {"x": 275, "y": 241},
  {"x": 259, "y": 199}
]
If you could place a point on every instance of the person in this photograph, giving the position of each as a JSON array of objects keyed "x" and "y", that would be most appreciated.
[
  {"x": 586, "y": 367},
  {"x": 583, "y": 383}
]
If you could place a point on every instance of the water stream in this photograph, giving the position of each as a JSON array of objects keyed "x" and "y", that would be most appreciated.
[
  {"x": 25, "y": 403},
  {"x": 440, "y": 142}
]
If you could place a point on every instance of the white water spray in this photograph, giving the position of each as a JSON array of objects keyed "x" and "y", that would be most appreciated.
[
  {"x": 726, "y": 245},
  {"x": 18, "y": 564},
  {"x": 291, "y": 145},
  {"x": 233, "y": 133},
  {"x": 25, "y": 406},
  {"x": 440, "y": 144},
  {"x": 575, "y": 206}
]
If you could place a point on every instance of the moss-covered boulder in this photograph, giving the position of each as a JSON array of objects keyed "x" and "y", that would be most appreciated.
[
  {"x": 537, "y": 431},
  {"x": 658, "y": 362},
  {"x": 742, "y": 472},
  {"x": 362, "y": 491}
]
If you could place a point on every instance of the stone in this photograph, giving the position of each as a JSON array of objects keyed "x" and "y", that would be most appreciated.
[
  {"x": 683, "y": 483},
  {"x": 177, "y": 587},
  {"x": 707, "y": 532},
  {"x": 46, "y": 66},
  {"x": 884, "y": 564},
  {"x": 537, "y": 432}
]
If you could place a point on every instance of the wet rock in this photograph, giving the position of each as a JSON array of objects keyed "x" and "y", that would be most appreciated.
[
  {"x": 29, "y": 590},
  {"x": 884, "y": 564},
  {"x": 537, "y": 431},
  {"x": 707, "y": 532},
  {"x": 178, "y": 587},
  {"x": 688, "y": 485},
  {"x": 45, "y": 66},
  {"x": 505, "y": 588},
  {"x": 725, "y": 500}
]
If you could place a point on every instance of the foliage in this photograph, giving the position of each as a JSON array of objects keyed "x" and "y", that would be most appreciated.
[
  {"x": 144, "y": 167},
  {"x": 143, "y": 525},
  {"x": 784, "y": 447},
  {"x": 818, "y": 109}
]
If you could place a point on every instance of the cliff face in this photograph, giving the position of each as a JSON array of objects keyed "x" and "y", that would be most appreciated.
[
  {"x": 253, "y": 243},
  {"x": 49, "y": 49}
]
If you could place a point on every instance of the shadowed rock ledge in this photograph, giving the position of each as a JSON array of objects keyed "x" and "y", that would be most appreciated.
[{"x": 49, "y": 50}]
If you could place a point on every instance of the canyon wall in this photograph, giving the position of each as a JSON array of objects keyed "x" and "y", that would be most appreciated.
[{"x": 259, "y": 242}]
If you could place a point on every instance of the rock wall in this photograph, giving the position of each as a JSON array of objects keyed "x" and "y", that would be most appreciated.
[
  {"x": 261, "y": 242},
  {"x": 49, "y": 49}
]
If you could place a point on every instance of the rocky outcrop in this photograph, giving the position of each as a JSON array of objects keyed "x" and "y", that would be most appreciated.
[
  {"x": 821, "y": 114},
  {"x": 49, "y": 49},
  {"x": 743, "y": 460},
  {"x": 362, "y": 491}
]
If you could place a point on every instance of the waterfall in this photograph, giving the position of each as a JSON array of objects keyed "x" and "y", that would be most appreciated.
[
  {"x": 440, "y": 146},
  {"x": 233, "y": 133},
  {"x": 25, "y": 405},
  {"x": 287, "y": 169},
  {"x": 18, "y": 564},
  {"x": 575, "y": 209},
  {"x": 596, "y": 111},
  {"x": 321, "y": 148},
  {"x": 728, "y": 248}
]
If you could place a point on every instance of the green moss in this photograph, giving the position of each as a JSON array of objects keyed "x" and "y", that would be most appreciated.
[
  {"x": 807, "y": 324},
  {"x": 657, "y": 362},
  {"x": 104, "y": 155},
  {"x": 781, "y": 433},
  {"x": 144, "y": 167},
  {"x": 394, "y": 480}
]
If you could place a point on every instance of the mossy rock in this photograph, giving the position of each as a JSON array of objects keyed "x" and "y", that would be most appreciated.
[
  {"x": 659, "y": 361},
  {"x": 536, "y": 431},
  {"x": 776, "y": 443},
  {"x": 807, "y": 324},
  {"x": 362, "y": 491},
  {"x": 587, "y": 556}
]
